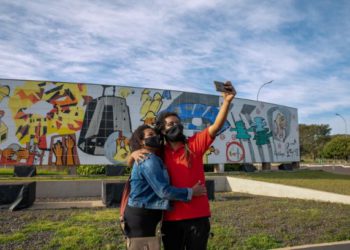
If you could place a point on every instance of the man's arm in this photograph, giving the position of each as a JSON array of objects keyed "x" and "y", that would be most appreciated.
[
  {"x": 222, "y": 115},
  {"x": 138, "y": 156}
]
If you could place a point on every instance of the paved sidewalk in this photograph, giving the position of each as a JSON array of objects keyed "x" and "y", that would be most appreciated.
[
  {"x": 337, "y": 169},
  {"x": 254, "y": 187}
]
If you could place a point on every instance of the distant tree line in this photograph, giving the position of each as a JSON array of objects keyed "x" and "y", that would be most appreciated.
[{"x": 316, "y": 142}]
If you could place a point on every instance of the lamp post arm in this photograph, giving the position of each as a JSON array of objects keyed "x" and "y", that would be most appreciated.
[{"x": 257, "y": 95}]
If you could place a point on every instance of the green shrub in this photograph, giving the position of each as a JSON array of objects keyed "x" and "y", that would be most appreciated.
[
  {"x": 209, "y": 167},
  {"x": 232, "y": 167},
  {"x": 127, "y": 171},
  {"x": 91, "y": 170}
]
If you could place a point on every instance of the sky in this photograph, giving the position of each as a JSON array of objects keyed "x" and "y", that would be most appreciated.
[{"x": 303, "y": 46}]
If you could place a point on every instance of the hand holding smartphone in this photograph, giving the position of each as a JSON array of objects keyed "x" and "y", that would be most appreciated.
[{"x": 226, "y": 87}]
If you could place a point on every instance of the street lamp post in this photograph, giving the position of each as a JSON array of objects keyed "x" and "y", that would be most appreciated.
[
  {"x": 346, "y": 126},
  {"x": 257, "y": 96}
]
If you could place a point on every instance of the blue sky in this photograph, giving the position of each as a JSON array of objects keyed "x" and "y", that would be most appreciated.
[{"x": 303, "y": 46}]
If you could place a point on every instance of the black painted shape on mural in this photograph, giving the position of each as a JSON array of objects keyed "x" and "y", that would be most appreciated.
[
  {"x": 23, "y": 131},
  {"x": 103, "y": 116},
  {"x": 69, "y": 93},
  {"x": 42, "y": 84},
  {"x": 54, "y": 90},
  {"x": 54, "y": 97}
]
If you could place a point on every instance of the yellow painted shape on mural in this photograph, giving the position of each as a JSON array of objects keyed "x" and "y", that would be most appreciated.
[
  {"x": 149, "y": 118},
  {"x": 156, "y": 103},
  {"x": 61, "y": 123},
  {"x": 3, "y": 132},
  {"x": 150, "y": 104},
  {"x": 4, "y": 91},
  {"x": 209, "y": 151},
  {"x": 145, "y": 95},
  {"x": 123, "y": 149},
  {"x": 125, "y": 92}
]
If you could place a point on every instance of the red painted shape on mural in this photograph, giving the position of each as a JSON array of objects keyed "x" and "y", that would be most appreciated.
[
  {"x": 238, "y": 155},
  {"x": 42, "y": 142},
  {"x": 21, "y": 115},
  {"x": 80, "y": 87},
  {"x": 58, "y": 124},
  {"x": 87, "y": 99},
  {"x": 71, "y": 126}
]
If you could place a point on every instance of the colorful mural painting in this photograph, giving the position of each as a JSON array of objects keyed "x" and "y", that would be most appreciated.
[{"x": 66, "y": 124}]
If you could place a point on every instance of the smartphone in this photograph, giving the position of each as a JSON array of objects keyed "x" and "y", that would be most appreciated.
[{"x": 220, "y": 86}]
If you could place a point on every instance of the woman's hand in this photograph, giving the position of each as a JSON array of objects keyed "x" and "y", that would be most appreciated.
[
  {"x": 138, "y": 156},
  {"x": 228, "y": 96},
  {"x": 199, "y": 189}
]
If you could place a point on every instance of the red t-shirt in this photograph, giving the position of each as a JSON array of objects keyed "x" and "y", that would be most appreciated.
[{"x": 184, "y": 176}]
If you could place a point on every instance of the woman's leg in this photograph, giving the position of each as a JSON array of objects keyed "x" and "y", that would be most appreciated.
[{"x": 141, "y": 222}]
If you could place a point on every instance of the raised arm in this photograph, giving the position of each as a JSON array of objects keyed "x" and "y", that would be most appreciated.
[{"x": 222, "y": 115}]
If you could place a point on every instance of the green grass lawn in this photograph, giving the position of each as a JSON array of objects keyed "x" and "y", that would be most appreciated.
[
  {"x": 239, "y": 221},
  {"x": 6, "y": 174},
  {"x": 314, "y": 179}
]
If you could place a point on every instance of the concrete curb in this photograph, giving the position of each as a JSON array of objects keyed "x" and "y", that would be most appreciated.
[
  {"x": 342, "y": 245},
  {"x": 67, "y": 204},
  {"x": 278, "y": 190}
]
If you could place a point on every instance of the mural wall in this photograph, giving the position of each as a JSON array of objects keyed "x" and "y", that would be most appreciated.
[{"x": 65, "y": 124}]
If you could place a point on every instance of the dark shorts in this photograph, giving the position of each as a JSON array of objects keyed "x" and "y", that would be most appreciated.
[
  {"x": 190, "y": 234},
  {"x": 141, "y": 222}
]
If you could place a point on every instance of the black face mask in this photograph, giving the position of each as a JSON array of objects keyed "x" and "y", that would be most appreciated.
[
  {"x": 153, "y": 142},
  {"x": 175, "y": 133}
]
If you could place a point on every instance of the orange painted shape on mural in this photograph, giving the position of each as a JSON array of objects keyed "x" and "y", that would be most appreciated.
[
  {"x": 66, "y": 101},
  {"x": 30, "y": 97}
]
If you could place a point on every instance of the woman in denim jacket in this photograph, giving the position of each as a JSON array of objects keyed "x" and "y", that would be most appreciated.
[{"x": 150, "y": 187}]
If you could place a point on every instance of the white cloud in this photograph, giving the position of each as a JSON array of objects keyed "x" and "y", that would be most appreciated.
[{"x": 184, "y": 45}]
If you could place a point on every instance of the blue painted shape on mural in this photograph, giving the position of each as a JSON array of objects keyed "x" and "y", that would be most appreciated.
[
  {"x": 188, "y": 111},
  {"x": 259, "y": 124},
  {"x": 262, "y": 134},
  {"x": 166, "y": 95},
  {"x": 242, "y": 131}
]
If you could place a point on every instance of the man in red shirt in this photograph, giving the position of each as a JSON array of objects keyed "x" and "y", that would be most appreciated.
[{"x": 187, "y": 225}]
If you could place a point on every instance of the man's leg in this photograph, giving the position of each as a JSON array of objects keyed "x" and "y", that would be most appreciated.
[
  {"x": 173, "y": 235},
  {"x": 198, "y": 231}
]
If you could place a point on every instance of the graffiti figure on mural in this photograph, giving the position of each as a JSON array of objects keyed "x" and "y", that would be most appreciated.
[{"x": 280, "y": 127}]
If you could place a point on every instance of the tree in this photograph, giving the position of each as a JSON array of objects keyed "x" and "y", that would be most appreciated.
[
  {"x": 313, "y": 138},
  {"x": 338, "y": 147}
]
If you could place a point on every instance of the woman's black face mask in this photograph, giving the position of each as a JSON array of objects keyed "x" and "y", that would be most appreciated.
[
  {"x": 175, "y": 133},
  {"x": 153, "y": 141}
]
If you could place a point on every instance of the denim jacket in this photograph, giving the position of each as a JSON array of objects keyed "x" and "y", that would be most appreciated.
[{"x": 150, "y": 186}]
